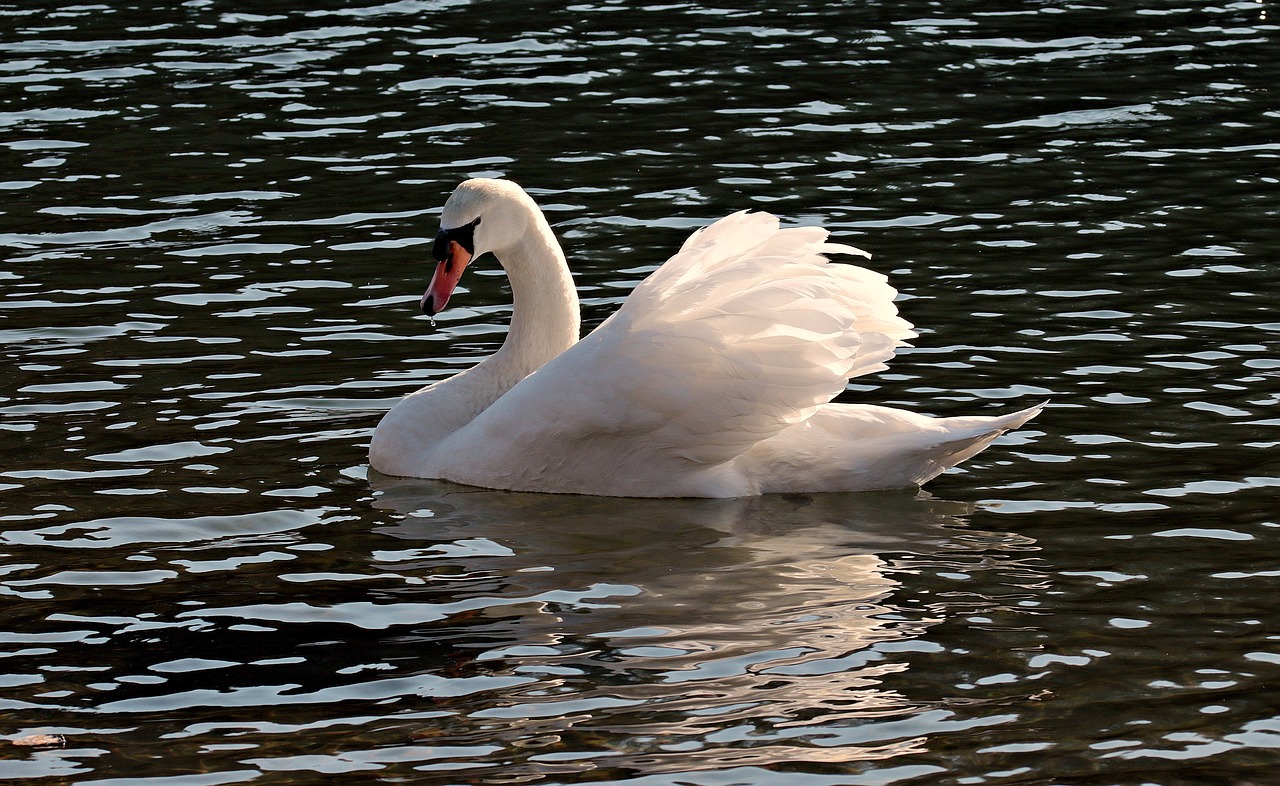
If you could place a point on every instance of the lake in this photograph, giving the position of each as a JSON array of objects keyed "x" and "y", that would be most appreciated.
[{"x": 217, "y": 223}]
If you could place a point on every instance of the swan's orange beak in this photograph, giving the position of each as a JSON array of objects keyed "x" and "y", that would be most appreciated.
[{"x": 445, "y": 279}]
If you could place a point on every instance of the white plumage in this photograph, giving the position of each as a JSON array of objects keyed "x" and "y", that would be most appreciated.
[{"x": 714, "y": 379}]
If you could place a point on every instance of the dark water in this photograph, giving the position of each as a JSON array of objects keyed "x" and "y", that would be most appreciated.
[{"x": 214, "y": 231}]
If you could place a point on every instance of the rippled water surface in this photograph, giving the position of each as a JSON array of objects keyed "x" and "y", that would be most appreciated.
[{"x": 215, "y": 228}]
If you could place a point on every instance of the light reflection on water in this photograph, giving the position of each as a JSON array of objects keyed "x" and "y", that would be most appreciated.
[
  {"x": 214, "y": 232},
  {"x": 556, "y": 629}
]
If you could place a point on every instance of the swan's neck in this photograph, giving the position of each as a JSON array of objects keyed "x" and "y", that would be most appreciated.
[
  {"x": 545, "y": 313},
  {"x": 413, "y": 438}
]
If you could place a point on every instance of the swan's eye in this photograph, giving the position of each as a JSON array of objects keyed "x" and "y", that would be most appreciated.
[{"x": 464, "y": 236}]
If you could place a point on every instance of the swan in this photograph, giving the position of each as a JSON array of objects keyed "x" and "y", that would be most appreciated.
[{"x": 715, "y": 377}]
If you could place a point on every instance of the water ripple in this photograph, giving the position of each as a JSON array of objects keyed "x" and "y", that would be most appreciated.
[{"x": 214, "y": 236}]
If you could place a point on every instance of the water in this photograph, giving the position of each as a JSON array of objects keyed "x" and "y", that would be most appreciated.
[{"x": 215, "y": 230}]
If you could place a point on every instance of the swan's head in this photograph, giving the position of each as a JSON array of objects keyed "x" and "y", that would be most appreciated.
[{"x": 481, "y": 216}]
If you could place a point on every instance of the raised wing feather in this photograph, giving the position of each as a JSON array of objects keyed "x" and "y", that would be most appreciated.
[{"x": 746, "y": 330}]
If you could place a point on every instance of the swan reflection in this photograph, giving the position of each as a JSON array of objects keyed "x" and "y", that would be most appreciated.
[{"x": 656, "y": 623}]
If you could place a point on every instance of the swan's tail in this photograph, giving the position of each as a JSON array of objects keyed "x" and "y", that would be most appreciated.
[
  {"x": 998, "y": 423},
  {"x": 966, "y": 437},
  {"x": 860, "y": 447}
]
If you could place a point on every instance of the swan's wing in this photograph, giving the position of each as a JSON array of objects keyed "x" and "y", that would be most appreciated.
[
  {"x": 746, "y": 330},
  {"x": 745, "y": 266}
]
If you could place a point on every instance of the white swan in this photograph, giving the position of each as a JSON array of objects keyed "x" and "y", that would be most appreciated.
[{"x": 714, "y": 378}]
